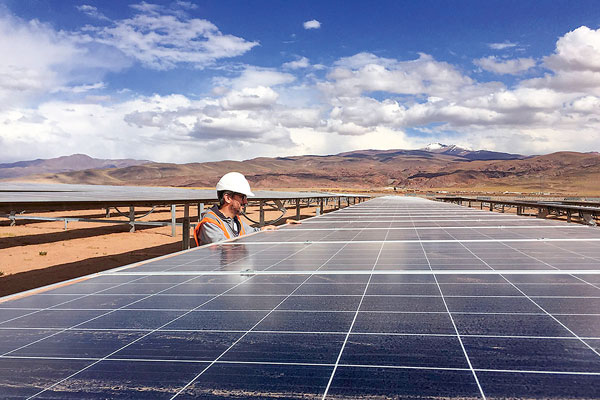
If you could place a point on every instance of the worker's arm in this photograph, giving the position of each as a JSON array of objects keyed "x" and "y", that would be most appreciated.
[{"x": 273, "y": 227}]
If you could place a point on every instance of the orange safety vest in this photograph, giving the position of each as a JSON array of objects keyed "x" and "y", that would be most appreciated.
[{"x": 211, "y": 218}]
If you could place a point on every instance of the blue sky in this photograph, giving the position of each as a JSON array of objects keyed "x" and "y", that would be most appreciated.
[{"x": 184, "y": 81}]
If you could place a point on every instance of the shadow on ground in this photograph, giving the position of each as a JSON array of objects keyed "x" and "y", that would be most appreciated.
[{"x": 22, "y": 281}]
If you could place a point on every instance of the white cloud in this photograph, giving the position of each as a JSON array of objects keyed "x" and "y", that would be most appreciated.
[
  {"x": 568, "y": 82},
  {"x": 574, "y": 65},
  {"x": 186, "y": 5},
  {"x": 249, "y": 98},
  {"x": 254, "y": 76},
  {"x": 585, "y": 105},
  {"x": 92, "y": 12},
  {"x": 421, "y": 76},
  {"x": 578, "y": 50},
  {"x": 363, "y": 101},
  {"x": 363, "y": 59},
  {"x": 302, "y": 62},
  {"x": 499, "y": 66},
  {"x": 36, "y": 59},
  {"x": 502, "y": 46},
  {"x": 312, "y": 24},
  {"x": 80, "y": 88},
  {"x": 161, "y": 41},
  {"x": 164, "y": 128},
  {"x": 148, "y": 8},
  {"x": 298, "y": 117},
  {"x": 367, "y": 112},
  {"x": 30, "y": 53},
  {"x": 346, "y": 128}
]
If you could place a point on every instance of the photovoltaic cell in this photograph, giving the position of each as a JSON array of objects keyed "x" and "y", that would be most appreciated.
[{"x": 394, "y": 298}]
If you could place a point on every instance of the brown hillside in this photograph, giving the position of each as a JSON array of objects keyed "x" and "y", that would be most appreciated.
[{"x": 562, "y": 172}]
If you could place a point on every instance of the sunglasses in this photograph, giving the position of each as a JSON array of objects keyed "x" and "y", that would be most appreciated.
[{"x": 242, "y": 196}]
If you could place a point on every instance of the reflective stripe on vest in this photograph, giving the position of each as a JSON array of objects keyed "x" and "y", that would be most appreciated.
[{"x": 211, "y": 218}]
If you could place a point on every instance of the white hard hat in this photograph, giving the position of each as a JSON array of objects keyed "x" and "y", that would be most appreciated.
[{"x": 234, "y": 182}]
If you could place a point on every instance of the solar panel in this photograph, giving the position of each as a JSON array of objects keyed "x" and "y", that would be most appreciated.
[{"x": 392, "y": 298}]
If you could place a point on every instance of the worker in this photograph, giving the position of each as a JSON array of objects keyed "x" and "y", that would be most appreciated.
[{"x": 223, "y": 220}]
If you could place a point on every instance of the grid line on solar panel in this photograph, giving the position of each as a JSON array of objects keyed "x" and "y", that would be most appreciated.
[
  {"x": 392, "y": 366},
  {"x": 96, "y": 361},
  {"x": 569, "y": 313},
  {"x": 416, "y": 241},
  {"x": 165, "y": 324},
  {"x": 95, "y": 293},
  {"x": 453, "y": 323},
  {"x": 353, "y": 321},
  {"x": 544, "y": 310},
  {"x": 299, "y": 332},
  {"x": 342, "y": 365},
  {"x": 552, "y": 266},
  {"x": 100, "y": 291},
  {"x": 254, "y": 326},
  {"x": 83, "y": 322},
  {"x": 552, "y": 244},
  {"x": 433, "y": 228}
]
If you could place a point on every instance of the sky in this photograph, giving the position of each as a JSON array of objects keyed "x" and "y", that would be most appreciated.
[{"x": 196, "y": 81}]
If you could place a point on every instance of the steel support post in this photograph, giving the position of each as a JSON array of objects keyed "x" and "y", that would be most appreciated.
[
  {"x": 491, "y": 206},
  {"x": 502, "y": 208},
  {"x": 469, "y": 203},
  {"x": 568, "y": 215},
  {"x": 107, "y": 212},
  {"x": 262, "y": 214},
  {"x": 200, "y": 211},
  {"x": 321, "y": 206},
  {"x": 186, "y": 227},
  {"x": 298, "y": 209},
  {"x": 339, "y": 199},
  {"x": 173, "y": 221},
  {"x": 131, "y": 218},
  {"x": 481, "y": 205}
]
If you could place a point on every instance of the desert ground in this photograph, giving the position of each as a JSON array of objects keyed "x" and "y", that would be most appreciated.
[{"x": 38, "y": 253}]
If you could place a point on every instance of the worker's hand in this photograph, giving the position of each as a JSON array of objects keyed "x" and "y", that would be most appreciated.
[
  {"x": 292, "y": 222},
  {"x": 268, "y": 228}
]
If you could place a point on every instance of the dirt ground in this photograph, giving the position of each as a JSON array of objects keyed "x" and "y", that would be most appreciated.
[{"x": 39, "y": 253}]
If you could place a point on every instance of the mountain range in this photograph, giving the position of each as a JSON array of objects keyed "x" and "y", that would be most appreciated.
[
  {"x": 75, "y": 162},
  {"x": 436, "y": 166}
]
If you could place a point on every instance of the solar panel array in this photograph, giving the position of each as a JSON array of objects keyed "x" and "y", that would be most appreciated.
[
  {"x": 43, "y": 193},
  {"x": 392, "y": 298}
]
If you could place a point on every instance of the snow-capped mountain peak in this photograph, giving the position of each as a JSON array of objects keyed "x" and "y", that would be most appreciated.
[
  {"x": 461, "y": 148},
  {"x": 434, "y": 146},
  {"x": 444, "y": 148}
]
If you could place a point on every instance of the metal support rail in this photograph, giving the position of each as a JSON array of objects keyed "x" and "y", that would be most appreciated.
[
  {"x": 586, "y": 214},
  {"x": 132, "y": 220}
]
